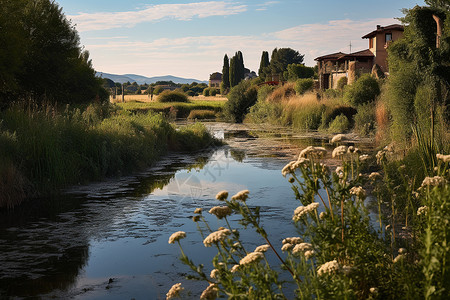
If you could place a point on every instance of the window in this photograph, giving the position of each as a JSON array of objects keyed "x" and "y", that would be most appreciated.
[{"x": 388, "y": 37}]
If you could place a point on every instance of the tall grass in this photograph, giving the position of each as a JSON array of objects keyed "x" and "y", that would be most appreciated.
[{"x": 48, "y": 149}]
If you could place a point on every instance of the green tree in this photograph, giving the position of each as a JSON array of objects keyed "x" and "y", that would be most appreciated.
[
  {"x": 298, "y": 71},
  {"x": 225, "y": 74},
  {"x": 45, "y": 58},
  {"x": 240, "y": 99},
  {"x": 418, "y": 86},
  {"x": 283, "y": 57},
  {"x": 362, "y": 91},
  {"x": 264, "y": 64}
]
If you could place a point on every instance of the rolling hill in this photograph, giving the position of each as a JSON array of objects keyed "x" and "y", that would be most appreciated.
[{"x": 142, "y": 79}]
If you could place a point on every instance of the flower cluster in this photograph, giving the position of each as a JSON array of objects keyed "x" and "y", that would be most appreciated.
[
  {"x": 358, "y": 191},
  {"x": 220, "y": 211},
  {"x": 328, "y": 268},
  {"x": 444, "y": 158},
  {"x": 433, "y": 181},
  {"x": 198, "y": 210},
  {"x": 339, "y": 151},
  {"x": 315, "y": 152},
  {"x": 422, "y": 210},
  {"x": 177, "y": 236},
  {"x": 338, "y": 138},
  {"x": 251, "y": 257},
  {"x": 293, "y": 165},
  {"x": 303, "y": 210},
  {"x": 210, "y": 292},
  {"x": 222, "y": 195},
  {"x": 262, "y": 248},
  {"x": 374, "y": 176},
  {"x": 174, "y": 291},
  {"x": 214, "y": 274},
  {"x": 242, "y": 195},
  {"x": 301, "y": 248},
  {"x": 216, "y": 236}
]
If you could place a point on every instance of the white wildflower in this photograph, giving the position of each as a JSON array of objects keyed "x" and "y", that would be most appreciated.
[
  {"x": 220, "y": 211},
  {"x": 262, "y": 248},
  {"x": 174, "y": 291},
  {"x": 311, "y": 151},
  {"x": 301, "y": 248},
  {"x": 350, "y": 149},
  {"x": 234, "y": 268},
  {"x": 339, "y": 151},
  {"x": 287, "y": 169},
  {"x": 399, "y": 258},
  {"x": 373, "y": 290},
  {"x": 216, "y": 236},
  {"x": 322, "y": 215},
  {"x": 328, "y": 268},
  {"x": 177, "y": 236},
  {"x": 309, "y": 254},
  {"x": 210, "y": 292},
  {"x": 338, "y": 138},
  {"x": 287, "y": 247},
  {"x": 303, "y": 210},
  {"x": 340, "y": 172},
  {"x": 214, "y": 274},
  {"x": 402, "y": 251},
  {"x": 363, "y": 157},
  {"x": 358, "y": 191},
  {"x": 198, "y": 210},
  {"x": 422, "y": 210},
  {"x": 242, "y": 195},
  {"x": 251, "y": 257},
  {"x": 222, "y": 195},
  {"x": 433, "y": 181},
  {"x": 374, "y": 176},
  {"x": 381, "y": 156},
  {"x": 444, "y": 158},
  {"x": 292, "y": 240}
]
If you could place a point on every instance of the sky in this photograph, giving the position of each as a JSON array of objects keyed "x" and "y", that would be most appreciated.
[{"x": 190, "y": 38}]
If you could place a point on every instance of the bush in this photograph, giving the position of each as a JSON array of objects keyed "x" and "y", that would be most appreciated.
[
  {"x": 172, "y": 96},
  {"x": 332, "y": 93},
  {"x": 339, "y": 125},
  {"x": 364, "y": 90},
  {"x": 281, "y": 93},
  {"x": 201, "y": 114},
  {"x": 307, "y": 117},
  {"x": 240, "y": 99},
  {"x": 331, "y": 112},
  {"x": 206, "y": 92},
  {"x": 158, "y": 90},
  {"x": 342, "y": 82},
  {"x": 303, "y": 85},
  {"x": 264, "y": 91},
  {"x": 365, "y": 119}
]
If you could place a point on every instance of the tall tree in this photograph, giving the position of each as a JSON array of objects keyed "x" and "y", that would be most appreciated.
[
  {"x": 49, "y": 62},
  {"x": 264, "y": 64},
  {"x": 234, "y": 80},
  {"x": 225, "y": 73},
  {"x": 283, "y": 57},
  {"x": 240, "y": 65}
]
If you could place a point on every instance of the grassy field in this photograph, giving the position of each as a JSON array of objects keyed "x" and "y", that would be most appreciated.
[{"x": 207, "y": 105}]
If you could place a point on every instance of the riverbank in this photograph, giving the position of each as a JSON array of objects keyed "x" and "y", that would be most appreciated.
[{"x": 44, "y": 149}]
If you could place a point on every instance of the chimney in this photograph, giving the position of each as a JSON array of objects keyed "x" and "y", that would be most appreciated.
[{"x": 378, "y": 27}]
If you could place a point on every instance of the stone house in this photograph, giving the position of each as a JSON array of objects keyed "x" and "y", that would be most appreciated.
[
  {"x": 215, "y": 79},
  {"x": 334, "y": 66}
]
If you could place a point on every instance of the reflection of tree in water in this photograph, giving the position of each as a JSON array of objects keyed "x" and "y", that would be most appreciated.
[
  {"x": 237, "y": 155},
  {"x": 45, "y": 243}
]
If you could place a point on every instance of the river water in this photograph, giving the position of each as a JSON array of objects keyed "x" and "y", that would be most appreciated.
[{"x": 109, "y": 240}]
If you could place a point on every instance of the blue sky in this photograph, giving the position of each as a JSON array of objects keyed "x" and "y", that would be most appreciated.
[{"x": 189, "y": 38}]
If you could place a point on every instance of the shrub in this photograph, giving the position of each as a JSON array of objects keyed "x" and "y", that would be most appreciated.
[
  {"x": 281, "y": 93},
  {"x": 158, "y": 90},
  {"x": 213, "y": 92},
  {"x": 264, "y": 92},
  {"x": 363, "y": 90},
  {"x": 332, "y": 93},
  {"x": 172, "y": 96},
  {"x": 303, "y": 85},
  {"x": 206, "y": 92},
  {"x": 307, "y": 117},
  {"x": 365, "y": 119},
  {"x": 240, "y": 99},
  {"x": 201, "y": 114},
  {"x": 339, "y": 125},
  {"x": 331, "y": 112},
  {"x": 342, "y": 82}
]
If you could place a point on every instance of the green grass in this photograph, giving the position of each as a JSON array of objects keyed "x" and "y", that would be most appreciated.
[
  {"x": 43, "y": 149},
  {"x": 183, "y": 108}
]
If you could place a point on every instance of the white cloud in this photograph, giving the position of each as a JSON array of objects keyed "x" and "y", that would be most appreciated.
[
  {"x": 265, "y": 5},
  {"x": 197, "y": 57},
  {"x": 154, "y": 13}
]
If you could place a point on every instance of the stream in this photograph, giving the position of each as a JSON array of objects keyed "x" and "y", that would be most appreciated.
[{"x": 109, "y": 240}]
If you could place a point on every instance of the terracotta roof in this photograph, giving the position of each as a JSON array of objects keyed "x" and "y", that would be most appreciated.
[
  {"x": 363, "y": 53},
  {"x": 381, "y": 29},
  {"x": 341, "y": 55},
  {"x": 330, "y": 56}
]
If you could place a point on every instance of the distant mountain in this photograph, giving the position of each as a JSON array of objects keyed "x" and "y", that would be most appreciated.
[{"x": 142, "y": 79}]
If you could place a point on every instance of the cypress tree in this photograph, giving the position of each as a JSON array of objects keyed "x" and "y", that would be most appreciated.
[
  {"x": 233, "y": 72},
  {"x": 240, "y": 65},
  {"x": 263, "y": 64},
  {"x": 226, "y": 73}
]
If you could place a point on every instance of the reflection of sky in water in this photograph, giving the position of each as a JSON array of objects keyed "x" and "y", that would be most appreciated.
[{"x": 135, "y": 248}]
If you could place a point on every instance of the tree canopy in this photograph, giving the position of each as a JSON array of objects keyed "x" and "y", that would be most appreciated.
[
  {"x": 41, "y": 57},
  {"x": 283, "y": 57}
]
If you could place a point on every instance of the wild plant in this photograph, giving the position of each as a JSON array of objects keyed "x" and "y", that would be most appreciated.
[{"x": 340, "y": 251}]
